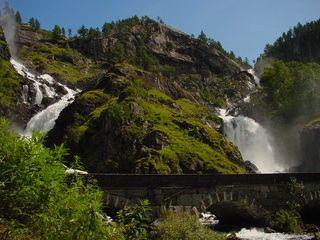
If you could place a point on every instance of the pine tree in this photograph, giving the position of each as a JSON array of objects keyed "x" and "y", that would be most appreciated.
[
  {"x": 32, "y": 22},
  {"x": 56, "y": 32},
  {"x": 18, "y": 17},
  {"x": 202, "y": 36},
  {"x": 83, "y": 32},
  {"x": 63, "y": 32},
  {"x": 37, "y": 24},
  {"x": 69, "y": 33}
]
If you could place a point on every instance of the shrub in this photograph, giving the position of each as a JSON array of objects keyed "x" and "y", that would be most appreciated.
[
  {"x": 176, "y": 226},
  {"x": 286, "y": 221},
  {"x": 135, "y": 220},
  {"x": 38, "y": 200}
]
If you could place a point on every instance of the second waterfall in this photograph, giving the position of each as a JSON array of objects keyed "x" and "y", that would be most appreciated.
[{"x": 252, "y": 140}]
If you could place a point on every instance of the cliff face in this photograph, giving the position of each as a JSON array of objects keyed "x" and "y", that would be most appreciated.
[
  {"x": 147, "y": 101},
  {"x": 310, "y": 152},
  {"x": 123, "y": 127}
]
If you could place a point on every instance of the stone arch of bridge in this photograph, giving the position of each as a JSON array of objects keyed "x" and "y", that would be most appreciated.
[
  {"x": 210, "y": 199},
  {"x": 117, "y": 201}
]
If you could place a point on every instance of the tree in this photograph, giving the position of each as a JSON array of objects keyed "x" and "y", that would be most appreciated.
[
  {"x": 36, "y": 24},
  {"x": 93, "y": 33},
  {"x": 106, "y": 28},
  {"x": 202, "y": 36},
  {"x": 56, "y": 32},
  {"x": 246, "y": 61},
  {"x": 69, "y": 33},
  {"x": 18, "y": 17},
  {"x": 159, "y": 20},
  {"x": 32, "y": 22},
  {"x": 83, "y": 32},
  {"x": 63, "y": 32},
  {"x": 232, "y": 54}
]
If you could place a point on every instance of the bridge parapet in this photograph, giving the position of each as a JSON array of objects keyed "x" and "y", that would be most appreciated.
[{"x": 267, "y": 191}]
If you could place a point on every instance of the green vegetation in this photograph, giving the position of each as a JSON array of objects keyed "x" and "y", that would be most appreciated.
[
  {"x": 18, "y": 17},
  {"x": 34, "y": 23},
  {"x": 176, "y": 226},
  {"x": 298, "y": 44},
  {"x": 57, "y": 33},
  {"x": 134, "y": 119},
  {"x": 64, "y": 62},
  {"x": 290, "y": 91},
  {"x": 39, "y": 201},
  {"x": 136, "y": 221},
  {"x": 217, "y": 45},
  {"x": 286, "y": 221},
  {"x": 9, "y": 84}
]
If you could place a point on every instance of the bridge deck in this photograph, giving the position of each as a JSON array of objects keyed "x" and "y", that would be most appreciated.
[{"x": 204, "y": 180}]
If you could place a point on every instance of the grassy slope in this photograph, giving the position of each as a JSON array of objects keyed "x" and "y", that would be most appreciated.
[
  {"x": 191, "y": 140},
  {"x": 67, "y": 63}
]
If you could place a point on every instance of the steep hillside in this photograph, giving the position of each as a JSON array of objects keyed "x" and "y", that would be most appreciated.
[
  {"x": 302, "y": 43},
  {"x": 124, "y": 127},
  {"x": 10, "y": 83},
  {"x": 288, "y": 99},
  {"x": 148, "y": 96}
]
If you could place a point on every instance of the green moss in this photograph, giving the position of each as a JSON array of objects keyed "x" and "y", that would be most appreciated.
[
  {"x": 185, "y": 146},
  {"x": 314, "y": 122},
  {"x": 192, "y": 146},
  {"x": 9, "y": 84},
  {"x": 65, "y": 62},
  {"x": 3, "y": 42}
]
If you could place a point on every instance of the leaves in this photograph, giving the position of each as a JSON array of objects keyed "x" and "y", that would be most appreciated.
[{"x": 39, "y": 200}]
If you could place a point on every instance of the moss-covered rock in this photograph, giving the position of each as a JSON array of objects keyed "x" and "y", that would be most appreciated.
[
  {"x": 61, "y": 62},
  {"x": 9, "y": 86},
  {"x": 144, "y": 131}
]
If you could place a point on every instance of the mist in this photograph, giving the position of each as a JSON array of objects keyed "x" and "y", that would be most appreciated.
[{"x": 9, "y": 25}]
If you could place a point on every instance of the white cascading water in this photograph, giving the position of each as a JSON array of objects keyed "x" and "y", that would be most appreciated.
[
  {"x": 255, "y": 77},
  {"x": 258, "y": 234},
  {"x": 251, "y": 138},
  {"x": 44, "y": 120}
]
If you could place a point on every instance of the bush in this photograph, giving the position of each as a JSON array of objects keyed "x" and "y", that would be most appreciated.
[
  {"x": 135, "y": 220},
  {"x": 286, "y": 221},
  {"x": 176, "y": 226},
  {"x": 38, "y": 200}
]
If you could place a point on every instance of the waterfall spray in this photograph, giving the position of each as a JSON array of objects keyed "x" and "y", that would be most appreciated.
[
  {"x": 253, "y": 141},
  {"x": 9, "y": 26}
]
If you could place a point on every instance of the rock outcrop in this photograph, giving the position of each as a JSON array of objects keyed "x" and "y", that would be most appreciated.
[
  {"x": 149, "y": 93},
  {"x": 310, "y": 151},
  {"x": 124, "y": 127}
]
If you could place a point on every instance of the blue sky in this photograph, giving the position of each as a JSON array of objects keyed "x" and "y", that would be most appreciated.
[{"x": 244, "y": 26}]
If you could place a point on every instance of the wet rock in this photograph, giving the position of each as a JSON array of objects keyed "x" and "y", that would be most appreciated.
[
  {"x": 269, "y": 230},
  {"x": 250, "y": 167},
  {"x": 232, "y": 236},
  {"x": 156, "y": 139}
]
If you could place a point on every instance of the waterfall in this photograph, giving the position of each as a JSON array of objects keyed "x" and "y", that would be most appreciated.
[
  {"x": 44, "y": 120},
  {"x": 252, "y": 140},
  {"x": 255, "y": 77}
]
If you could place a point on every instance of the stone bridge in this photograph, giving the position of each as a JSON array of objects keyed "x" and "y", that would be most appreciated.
[{"x": 184, "y": 192}]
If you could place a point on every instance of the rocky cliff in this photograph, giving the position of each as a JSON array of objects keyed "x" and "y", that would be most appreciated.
[
  {"x": 147, "y": 101},
  {"x": 310, "y": 152},
  {"x": 122, "y": 126}
]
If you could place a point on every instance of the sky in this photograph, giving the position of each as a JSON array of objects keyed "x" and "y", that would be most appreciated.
[{"x": 243, "y": 26}]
